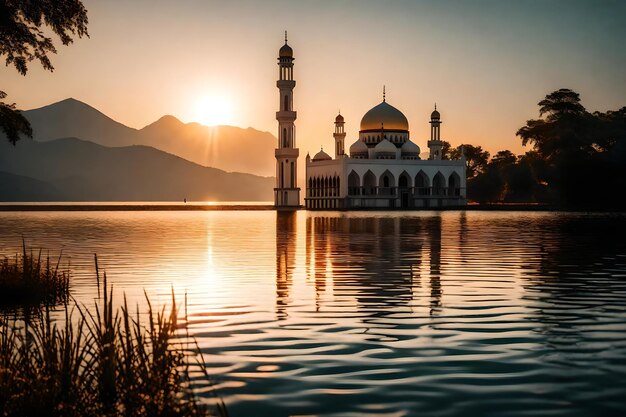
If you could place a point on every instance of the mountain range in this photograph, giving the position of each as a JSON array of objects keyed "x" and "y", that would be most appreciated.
[
  {"x": 79, "y": 154},
  {"x": 224, "y": 147}
]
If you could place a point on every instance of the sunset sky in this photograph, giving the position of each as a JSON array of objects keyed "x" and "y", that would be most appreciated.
[{"x": 485, "y": 63}]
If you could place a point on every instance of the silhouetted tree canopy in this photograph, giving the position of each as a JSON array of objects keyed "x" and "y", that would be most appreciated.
[
  {"x": 12, "y": 122},
  {"x": 23, "y": 39},
  {"x": 476, "y": 158},
  {"x": 503, "y": 158},
  {"x": 445, "y": 149},
  {"x": 567, "y": 127},
  {"x": 578, "y": 159}
]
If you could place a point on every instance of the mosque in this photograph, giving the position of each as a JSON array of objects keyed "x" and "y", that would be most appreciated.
[{"x": 382, "y": 169}]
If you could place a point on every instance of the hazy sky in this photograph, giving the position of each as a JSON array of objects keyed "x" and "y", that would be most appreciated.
[{"x": 485, "y": 63}]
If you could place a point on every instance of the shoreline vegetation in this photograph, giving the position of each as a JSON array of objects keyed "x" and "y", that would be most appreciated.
[
  {"x": 30, "y": 282},
  {"x": 103, "y": 363}
]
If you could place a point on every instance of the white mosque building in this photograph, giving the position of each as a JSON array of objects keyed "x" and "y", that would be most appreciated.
[{"x": 382, "y": 168}]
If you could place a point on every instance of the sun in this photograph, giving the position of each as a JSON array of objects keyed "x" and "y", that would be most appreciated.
[{"x": 213, "y": 110}]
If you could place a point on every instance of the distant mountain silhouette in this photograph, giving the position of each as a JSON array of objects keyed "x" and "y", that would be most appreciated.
[
  {"x": 72, "y": 169},
  {"x": 225, "y": 147},
  {"x": 21, "y": 188}
]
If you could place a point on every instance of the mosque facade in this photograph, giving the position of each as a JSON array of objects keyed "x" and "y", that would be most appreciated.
[{"x": 382, "y": 169}]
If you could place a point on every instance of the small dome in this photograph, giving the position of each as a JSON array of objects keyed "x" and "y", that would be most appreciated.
[
  {"x": 410, "y": 148},
  {"x": 321, "y": 156},
  {"x": 285, "y": 51},
  {"x": 358, "y": 147},
  {"x": 339, "y": 118},
  {"x": 435, "y": 115},
  {"x": 384, "y": 115},
  {"x": 384, "y": 146}
]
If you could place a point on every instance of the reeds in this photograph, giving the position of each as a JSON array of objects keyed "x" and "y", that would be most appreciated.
[
  {"x": 28, "y": 281},
  {"x": 105, "y": 363}
]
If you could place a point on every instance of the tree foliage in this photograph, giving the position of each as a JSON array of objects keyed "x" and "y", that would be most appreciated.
[
  {"x": 476, "y": 158},
  {"x": 12, "y": 121},
  {"x": 578, "y": 159},
  {"x": 445, "y": 149},
  {"x": 24, "y": 28},
  {"x": 567, "y": 127}
]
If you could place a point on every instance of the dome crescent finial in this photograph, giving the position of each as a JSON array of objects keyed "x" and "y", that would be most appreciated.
[
  {"x": 285, "y": 37},
  {"x": 383, "y": 92}
]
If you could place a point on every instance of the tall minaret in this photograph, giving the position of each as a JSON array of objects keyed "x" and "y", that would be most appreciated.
[
  {"x": 286, "y": 193},
  {"x": 435, "y": 144},
  {"x": 339, "y": 135}
]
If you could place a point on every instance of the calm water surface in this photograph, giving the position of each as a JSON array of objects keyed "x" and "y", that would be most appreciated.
[{"x": 374, "y": 314}]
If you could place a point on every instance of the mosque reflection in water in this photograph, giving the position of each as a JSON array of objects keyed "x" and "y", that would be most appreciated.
[{"x": 394, "y": 263}]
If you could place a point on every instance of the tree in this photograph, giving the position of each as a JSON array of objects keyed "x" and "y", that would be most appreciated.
[
  {"x": 476, "y": 159},
  {"x": 579, "y": 158},
  {"x": 567, "y": 127},
  {"x": 445, "y": 149},
  {"x": 503, "y": 158},
  {"x": 23, "y": 40}
]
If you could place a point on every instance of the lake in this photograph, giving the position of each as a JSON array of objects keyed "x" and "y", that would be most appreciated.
[{"x": 373, "y": 313}]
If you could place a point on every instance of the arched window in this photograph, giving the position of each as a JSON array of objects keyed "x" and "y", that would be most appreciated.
[
  {"x": 369, "y": 183},
  {"x": 439, "y": 184},
  {"x": 454, "y": 184},
  {"x": 286, "y": 103},
  {"x": 354, "y": 184},
  {"x": 422, "y": 183},
  {"x": 387, "y": 182},
  {"x": 404, "y": 180}
]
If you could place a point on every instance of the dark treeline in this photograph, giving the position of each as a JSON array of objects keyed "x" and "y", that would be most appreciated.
[{"x": 578, "y": 159}]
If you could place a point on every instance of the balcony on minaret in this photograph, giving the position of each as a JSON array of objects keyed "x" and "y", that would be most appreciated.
[
  {"x": 287, "y": 153},
  {"x": 286, "y": 115},
  {"x": 286, "y": 84}
]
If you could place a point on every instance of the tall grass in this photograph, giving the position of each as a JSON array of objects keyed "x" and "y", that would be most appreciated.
[
  {"x": 29, "y": 281},
  {"x": 102, "y": 363}
]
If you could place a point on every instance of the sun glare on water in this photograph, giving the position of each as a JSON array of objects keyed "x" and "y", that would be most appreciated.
[{"x": 213, "y": 110}]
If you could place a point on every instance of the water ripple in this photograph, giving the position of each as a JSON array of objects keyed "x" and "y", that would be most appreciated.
[{"x": 374, "y": 314}]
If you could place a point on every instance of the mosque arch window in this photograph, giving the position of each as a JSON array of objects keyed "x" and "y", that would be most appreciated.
[
  {"x": 439, "y": 184},
  {"x": 454, "y": 184},
  {"x": 369, "y": 183},
  {"x": 404, "y": 180},
  {"x": 422, "y": 183},
  {"x": 386, "y": 183},
  {"x": 354, "y": 183}
]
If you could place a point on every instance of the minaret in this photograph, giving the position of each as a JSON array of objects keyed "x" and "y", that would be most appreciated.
[
  {"x": 435, "y": 144},
  {"x": 340, "y": 136},
  {"x": 286, "y": 193}
]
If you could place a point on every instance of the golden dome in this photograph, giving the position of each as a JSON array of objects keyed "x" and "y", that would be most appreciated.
[{"x": 386, "y": 116}]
